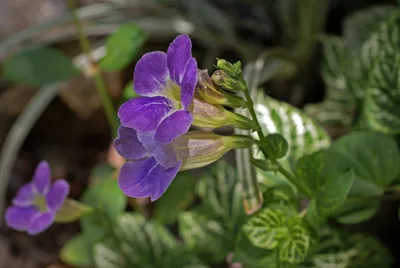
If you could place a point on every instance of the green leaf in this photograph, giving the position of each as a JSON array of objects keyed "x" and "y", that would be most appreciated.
[
  {"x": 252, "y": 256},
  {"x": 281, "y": 231},
  {"x": 101, "y": 172},
  {"x": 355, "y": 213},
  {"x": 177, "y": 198},
  {"x": 339, "y": 104},
  {"x": 106, "y": 196},
  {"x": 38, "y": 66},
  {"x": 332, "y": 186},
  {"x": 122, "y": 47},
  {"x": 204, "y": 235},
  {"x": 313, "y": 216},
  {"x": 333, "y": 192},
  {"x": 108, "y": 201},
  {"x": 381, "y": 109},
  {"x": 267, "y": 228},
  {"x": 358, "y": 206},
  {"x": 300, "y": 131},
  {"x": 359, "y": 26},
  {"x": 77, "y": 252},
  {"x": 136, "y": 242},
  {"x": 71, "y": 210},
  {"x": 182, "y": 258},
  {"x": 374, "y": 167},
  {"x": 309, "y": 169},
  {"x": 210, "y": 230},
  {"x": 278, "y": 145},
  {"x": 349, "y": 250},
  {"x": 220, "y": 192},
  {"x": 129, "y": 92},
  {"x": 374, "y": 157},
  {"x": 295, "y": 247}
]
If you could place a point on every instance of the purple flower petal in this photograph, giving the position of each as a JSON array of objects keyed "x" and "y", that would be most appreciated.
[
  {"x": 40, "y": 222},
  {"x": 144, "y": 114},
  {"x": 179, "y": 52},
  {"x": 165, "y": 155},
  {"x": 128, "y": 145},
  {"x": 154, "y": 182},
  {"x": 57, "y": 194},
  {"x": 42, "y": 177},
  {"x": 188, "y": 83},
  {"x": 173, "y": 126},
  {"x": 150, "y": 74},
  {"x": 133, "y": 172},
  {"x": 147, "y": 139},
  {"x": 19, "y": 218},
  {"x": 24, "y": 196}
]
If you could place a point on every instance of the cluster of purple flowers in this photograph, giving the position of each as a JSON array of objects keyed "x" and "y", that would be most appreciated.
[
  {"x": 154, "y": 128},
  {"x": 166, "y": 83}
]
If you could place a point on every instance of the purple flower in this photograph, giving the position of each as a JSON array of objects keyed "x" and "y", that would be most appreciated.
[
  {"x": 143, "y": 176},
  {"x": 33, "y": 209},
  {"x": 152, "y": 166},
  {"x": 166, "y": 83}
]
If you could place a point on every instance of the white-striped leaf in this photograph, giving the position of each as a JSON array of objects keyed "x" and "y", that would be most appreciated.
[
  {"x": 282, "y": 232},
  {"x": 205, "y": 235},
  {"x": 303, "y": 135},
  {"x": 382, "y": 100},
  {"x": 136, "y": 242}
]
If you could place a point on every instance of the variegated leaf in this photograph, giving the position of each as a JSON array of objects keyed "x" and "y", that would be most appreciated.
[{"x": 381, "y": 104}]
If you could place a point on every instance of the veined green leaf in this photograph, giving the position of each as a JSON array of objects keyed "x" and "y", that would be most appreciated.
[
  {"x": 345, "y": 250},
  {"x": 204, "y": 235},
  {"x": 267, "y": 228},
  {"x": 359, "y": 26},
  {"x": 139, "y": 243},
  {"x": 381, "y": 109},
  {"x": 303, "y": 135},
  {"x": 281, "y": 233}
]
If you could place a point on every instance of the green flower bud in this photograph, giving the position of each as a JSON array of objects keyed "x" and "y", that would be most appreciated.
[
  {"x": 215, "y": 95},
  {"x": 198, "y": 148},
  {"x": 233, "y": 70},
  {"x": 222, "y": 79},
  {"x": 210, "y": 115}
]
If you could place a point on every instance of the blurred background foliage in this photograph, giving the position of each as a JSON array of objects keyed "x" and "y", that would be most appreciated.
[{"x": 314, "y": 54}]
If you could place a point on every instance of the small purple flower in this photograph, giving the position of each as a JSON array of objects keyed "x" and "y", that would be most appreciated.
[
  {"x": 166, "y": 83},
  {"x": 144, "y": 176},
  {"x": 34, "y": 208}
]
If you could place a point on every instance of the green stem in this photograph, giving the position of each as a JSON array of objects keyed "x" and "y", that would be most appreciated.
[
  {"x": 266, "y": 146},
  {"x": 99, "y": 81}
]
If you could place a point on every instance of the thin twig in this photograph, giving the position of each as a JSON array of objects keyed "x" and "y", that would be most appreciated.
[{"x": 98, "y": 78}]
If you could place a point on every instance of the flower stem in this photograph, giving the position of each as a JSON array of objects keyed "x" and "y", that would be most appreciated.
[
  {"x": 265, "y": 146},
  {"x": 99, "y": 81}
]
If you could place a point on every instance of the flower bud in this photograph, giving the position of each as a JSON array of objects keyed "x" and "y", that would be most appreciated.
[
  {"x": 210, "y": 115},
  {"x": 222, "y": 79},
  {"x": 233, "y": 70},
  {"x": 215, "y": 95},
  {"x": 197, "y": 148}
]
